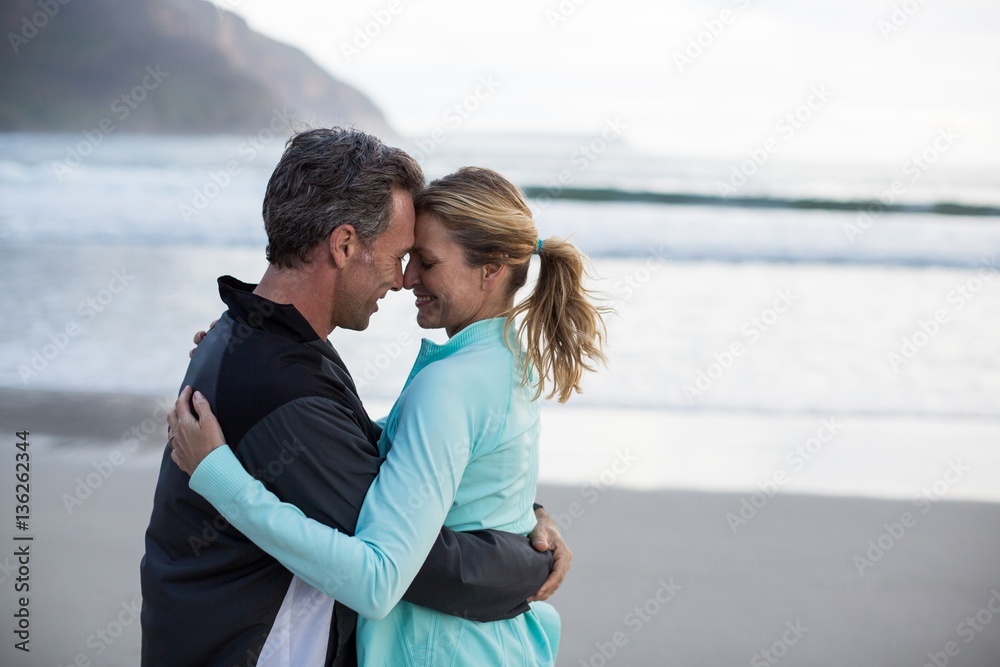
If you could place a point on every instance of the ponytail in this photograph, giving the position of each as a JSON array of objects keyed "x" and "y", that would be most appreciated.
[{"x": 562, "y": 327}]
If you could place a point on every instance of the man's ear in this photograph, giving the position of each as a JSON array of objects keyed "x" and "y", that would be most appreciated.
[
  {"x": 492, "y": 274},
  {"x": 344, "y": 243}
]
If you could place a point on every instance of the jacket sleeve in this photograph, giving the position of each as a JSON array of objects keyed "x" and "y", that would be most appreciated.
[
  {"x": 313, "y": 454},
  {"x": 399, "y": 523},
  {"x": 482, "y": 575}
]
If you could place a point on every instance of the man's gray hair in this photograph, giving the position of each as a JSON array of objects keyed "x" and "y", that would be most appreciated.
[{"x": 327, "y": 178}]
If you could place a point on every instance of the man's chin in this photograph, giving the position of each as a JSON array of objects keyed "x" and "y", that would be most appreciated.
[{"x": 359, "y": 325}]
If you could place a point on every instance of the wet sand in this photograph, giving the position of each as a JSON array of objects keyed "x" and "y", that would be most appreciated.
[{"x": 659, "y": 577}]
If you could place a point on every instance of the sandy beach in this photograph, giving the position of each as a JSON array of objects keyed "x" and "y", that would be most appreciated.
[{"x": 659, "y": 577}]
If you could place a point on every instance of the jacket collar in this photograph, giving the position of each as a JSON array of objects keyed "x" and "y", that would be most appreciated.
[
  {"x": 483, "y": 332},
  {"x": 247, "y": 308}
]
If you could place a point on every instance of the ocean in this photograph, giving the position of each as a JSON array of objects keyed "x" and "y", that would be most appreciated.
[{"x": 825, "y": 329}]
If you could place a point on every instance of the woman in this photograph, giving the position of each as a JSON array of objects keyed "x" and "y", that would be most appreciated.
[{"x": 461, "y": 442}]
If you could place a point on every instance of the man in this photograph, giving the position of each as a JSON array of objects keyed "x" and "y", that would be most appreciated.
[{"x": 338, "y": 212}]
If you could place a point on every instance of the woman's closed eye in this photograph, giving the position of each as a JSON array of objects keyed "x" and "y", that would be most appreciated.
[{"x": 423, "y": 262}]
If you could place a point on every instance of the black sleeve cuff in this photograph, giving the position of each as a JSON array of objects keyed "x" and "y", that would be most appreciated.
[{"x": 482, "y": 575}]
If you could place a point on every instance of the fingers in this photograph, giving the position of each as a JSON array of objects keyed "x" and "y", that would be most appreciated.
[
  {"x": 548, "y": 588},
  {"x": 171, "y": 422},
  {"x": 201, "y": 406},
  {"x": 540, "y": 537},
  {"x": 544, "y": 531},
  {"x": 540, "y": 543},
  {"x": 207, "y": 422},
  {"x": 192, "y": 436},
  {"x": 562, "y": 558},
  {"x": 183, "y": 404},
  {"x": 546, "y": 536},
  {"x": 197, "y": 339},
  {"x": 180, "y": 415}
]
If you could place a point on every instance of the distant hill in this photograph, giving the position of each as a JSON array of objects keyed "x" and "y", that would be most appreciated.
[{"x": 163, "y": 66}]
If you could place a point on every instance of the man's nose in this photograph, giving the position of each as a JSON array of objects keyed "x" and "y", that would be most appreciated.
[
  {"x": 397, "y": 280},
  {"x": 410, "y": 275}
]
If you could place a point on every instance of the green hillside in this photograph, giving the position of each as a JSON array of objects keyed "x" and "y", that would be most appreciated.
[{"x": 168, "y": 66}]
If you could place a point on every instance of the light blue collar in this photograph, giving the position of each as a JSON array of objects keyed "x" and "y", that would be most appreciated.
[{"x": 483, "y": 332}]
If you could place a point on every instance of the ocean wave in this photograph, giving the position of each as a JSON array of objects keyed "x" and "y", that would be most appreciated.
[
  {"x": 673, "y": 243},
  {"x": 872, "y": 206}
]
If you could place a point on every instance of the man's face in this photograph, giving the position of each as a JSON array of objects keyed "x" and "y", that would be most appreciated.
[{"x": 380, "y": 270}]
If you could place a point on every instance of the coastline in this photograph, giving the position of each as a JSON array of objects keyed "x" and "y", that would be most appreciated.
[{"x": 658, "y": 576}]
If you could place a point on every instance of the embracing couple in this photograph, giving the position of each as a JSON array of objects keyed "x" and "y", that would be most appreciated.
[{"x": 308, "y": 534}]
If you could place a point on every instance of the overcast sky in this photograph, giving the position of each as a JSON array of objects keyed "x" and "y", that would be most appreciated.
[{"x": 882, "y": 77}]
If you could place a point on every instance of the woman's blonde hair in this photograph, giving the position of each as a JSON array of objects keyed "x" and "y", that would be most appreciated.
[{"x": 562, "y": 327}]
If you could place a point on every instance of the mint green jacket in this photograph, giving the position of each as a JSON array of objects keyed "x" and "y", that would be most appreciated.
[{"x": 461, "y": 448}]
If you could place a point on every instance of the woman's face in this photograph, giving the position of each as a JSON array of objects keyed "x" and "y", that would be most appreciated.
[{"x": 450, "y": 293}]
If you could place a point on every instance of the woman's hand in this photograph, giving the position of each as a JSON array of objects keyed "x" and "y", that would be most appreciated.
[
  {"x": 192, "y": 438},
  {"x": 199, "y": 335}
]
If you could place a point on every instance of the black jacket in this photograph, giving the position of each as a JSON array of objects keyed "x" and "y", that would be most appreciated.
[{"x": 291, "y": 412}]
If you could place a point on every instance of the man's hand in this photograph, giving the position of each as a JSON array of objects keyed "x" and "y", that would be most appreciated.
[
  {"x": 546, "y": 537},
  {"x": 192, "y": 438},
  {"x": 199, "y": 335}
]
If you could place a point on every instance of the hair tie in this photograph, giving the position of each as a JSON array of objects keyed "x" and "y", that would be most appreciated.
[{"x": 538, "y": 247}]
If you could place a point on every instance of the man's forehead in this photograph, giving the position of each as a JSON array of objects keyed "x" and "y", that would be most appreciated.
[{"x": 400, "y": 232}]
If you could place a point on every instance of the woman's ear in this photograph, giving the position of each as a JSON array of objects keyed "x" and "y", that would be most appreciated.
[
  {"x": 492, "y": 274},
  {"x": 344, "y": 243}
]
